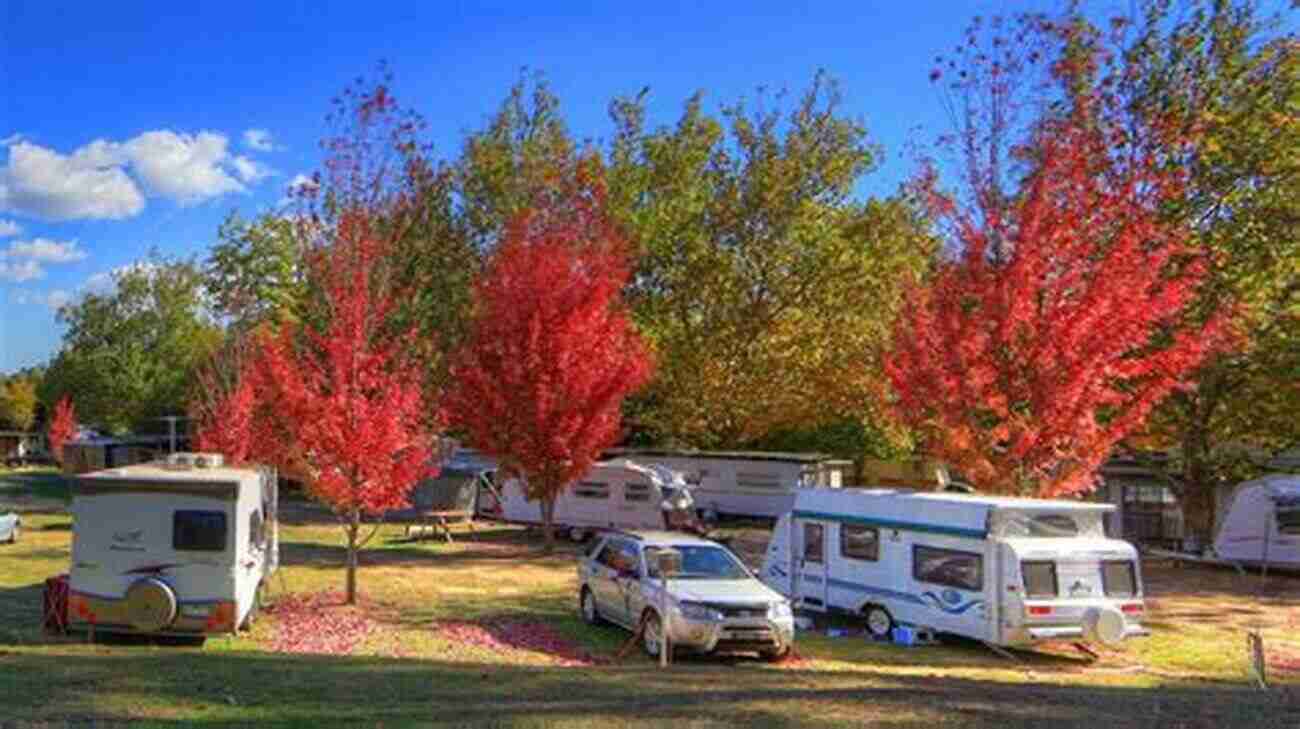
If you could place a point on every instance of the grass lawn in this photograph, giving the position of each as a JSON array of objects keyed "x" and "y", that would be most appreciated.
[{"x": 434, "y": 645}]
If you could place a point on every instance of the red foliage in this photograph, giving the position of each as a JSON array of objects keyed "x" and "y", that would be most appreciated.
[
  {"x": 540, "y": 382},
  {"x": 62, "y": 426},
  {"x": 355, "y": 401},
  {"x": 228, "y": 427},
  {"x": 1058, "y": 327},
  {"x": 344, "y": 397},
  {"x": 318, "y": 624}
]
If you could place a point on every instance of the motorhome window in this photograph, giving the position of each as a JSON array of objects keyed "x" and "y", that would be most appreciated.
[
  {"x": 199, "y": 531},
  {"x": 814, "y": 543},
  {"x": 1040, "y": 579},
  {"x": 1119, "y": 579},
  {"x": 963, "y": 570},
  {"x": 634, "y": 491},
  {"x": 592, "y": 490},
  {"x": 859, "y": 542},
  {"x": 758, "y": 481},
  {"x": 1288, "y": 520}
]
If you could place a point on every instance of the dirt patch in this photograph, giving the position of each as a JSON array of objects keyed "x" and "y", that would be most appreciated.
[{"x": 513, "y": 634}]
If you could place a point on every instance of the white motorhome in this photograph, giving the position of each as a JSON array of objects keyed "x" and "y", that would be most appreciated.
[
  {"x": 1006, "y": 571},
  {"x": 746, "y": 483},
  {"x": 618, "y": 494},
  {"x": 1261, "y": 524},
  {"x": 177, "y": 547}
]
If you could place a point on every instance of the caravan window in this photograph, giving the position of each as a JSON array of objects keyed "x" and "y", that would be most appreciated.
[
  {"x": 636, "y": 491},
  {"x": 859, "y": 542},
  {"x": 1288, "y": 520},
  {"x": 1040, "y": 579},
  {"x": 199, "y": 531},
  {"x": 963, "y": 570},
  {"x": 1119, "y": 579},
  {"x": 592, "y": 490}
]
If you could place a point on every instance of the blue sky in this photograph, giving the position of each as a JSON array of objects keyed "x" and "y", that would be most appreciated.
[{"x": 131, "y": 126}]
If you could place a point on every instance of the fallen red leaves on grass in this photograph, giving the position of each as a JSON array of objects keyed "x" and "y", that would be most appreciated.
[
  {"x": 318, "y": 623},
  {"x": 503, "y": 634}
]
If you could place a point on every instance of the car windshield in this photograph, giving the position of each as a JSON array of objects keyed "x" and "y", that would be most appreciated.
[{"x": 700, "y": 562}]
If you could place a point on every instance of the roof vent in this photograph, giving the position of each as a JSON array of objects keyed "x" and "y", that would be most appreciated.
[{"x": 185, "y": 461}]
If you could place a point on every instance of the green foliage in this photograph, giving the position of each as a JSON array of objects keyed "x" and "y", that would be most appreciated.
[
  {"x": 130, "y": 354},
  {"x": 18, "y": 402},
  {"x": 253, "y": 273},
  {"x": 766, "y": 287}
]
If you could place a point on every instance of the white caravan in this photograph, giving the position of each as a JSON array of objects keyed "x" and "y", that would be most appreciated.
[
  {"x": 616, "y": 494},
  {"x": 1262, "y": 523},
  {"x": 1006, "y": 571},
  {"x": 180, "y": 547},
  {"x": 746, "y": 483}
]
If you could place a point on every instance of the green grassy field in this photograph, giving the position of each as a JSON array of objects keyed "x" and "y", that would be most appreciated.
[{"x": 408, "y": 665}]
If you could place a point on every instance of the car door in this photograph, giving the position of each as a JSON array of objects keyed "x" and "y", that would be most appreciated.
[
  {"x": 601, "y": 578},
  {"x": 813, "y": 564}
]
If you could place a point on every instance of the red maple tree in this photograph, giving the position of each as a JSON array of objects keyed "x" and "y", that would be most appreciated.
[
  {"x": 540, "y": 382},
  {"x": 225, "y": 425},
  {"x": 1058, "y": 325},
  {"x": 63, "y": 425},
  {"x": 343, "y": 399}
]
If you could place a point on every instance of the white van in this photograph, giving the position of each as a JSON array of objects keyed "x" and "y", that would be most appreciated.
[
  {"x": 1262, "y": 523},
  {"x": 1006, "y": 571},
  {"x": 616, "y": 494},
  {"x": 746, "y": 483},
  {"x": 180, "y": 547}
]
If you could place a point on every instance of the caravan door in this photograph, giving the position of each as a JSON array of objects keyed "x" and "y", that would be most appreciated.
[{"x": 813, "y": 570}]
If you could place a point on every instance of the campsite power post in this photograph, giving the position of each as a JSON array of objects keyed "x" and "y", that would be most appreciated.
[{"x": 669, "y": 562}]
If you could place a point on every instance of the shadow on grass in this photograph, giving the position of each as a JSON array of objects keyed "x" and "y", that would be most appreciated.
[
  {"x": 197, "y": 687},
  {"x": 39, "y": 483}
]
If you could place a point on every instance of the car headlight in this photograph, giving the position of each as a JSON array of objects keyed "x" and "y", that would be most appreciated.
[
  {"x": 696, "y": 611},
  {"x": 780, "y": 610}
]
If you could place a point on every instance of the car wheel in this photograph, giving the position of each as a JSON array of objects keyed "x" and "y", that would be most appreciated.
[
  {"x": 587, "y": 604},
  {"x": 879, "y": 622},
  {"x": 651, "y": 636}
]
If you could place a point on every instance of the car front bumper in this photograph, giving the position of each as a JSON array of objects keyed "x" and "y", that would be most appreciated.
[{"x": 732, "y": 634}]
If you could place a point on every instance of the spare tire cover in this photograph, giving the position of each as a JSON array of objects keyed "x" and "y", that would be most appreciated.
[
  {"x": 1104, "y": 625},
  {"x": 150, "y": 605}
]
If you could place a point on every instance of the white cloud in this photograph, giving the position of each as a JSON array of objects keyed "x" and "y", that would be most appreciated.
[
  {"x": 251, "y": 171},
  {"x": 45, "y": 250},
  {"x": 11, "y": 139},
  {"x": 20, "y": 271},
  {"x": 55, "y": 299},
  {"x": 259, "y": 139},
  {"x": 103, "y": 179},
  {"x": 86, "y": 184},
  {"x": 8, "y": 228},
  {"x": 186, "y": 168}
]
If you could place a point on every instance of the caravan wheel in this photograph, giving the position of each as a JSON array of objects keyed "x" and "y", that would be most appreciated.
[{"x": 879, "y": 622}]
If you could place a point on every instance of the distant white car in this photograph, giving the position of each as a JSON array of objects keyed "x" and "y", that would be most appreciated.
[{"x": 10, "y": 525}]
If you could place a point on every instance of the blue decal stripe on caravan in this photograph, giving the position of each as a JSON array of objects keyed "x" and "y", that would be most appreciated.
[
  {"x": 881, "y": 591},
  {"x": 910, "y": 526},
  {"x": 956, "y": 609}
]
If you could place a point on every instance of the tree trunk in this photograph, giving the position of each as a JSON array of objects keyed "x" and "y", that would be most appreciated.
[
  {"x": 354, "y": 532},
  {"x": 1197, "y": 498},
  {"x": 548, "y": 524}
]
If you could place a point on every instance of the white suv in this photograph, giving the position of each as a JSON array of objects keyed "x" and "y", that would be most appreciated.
[{"x": 715, "y": 603}]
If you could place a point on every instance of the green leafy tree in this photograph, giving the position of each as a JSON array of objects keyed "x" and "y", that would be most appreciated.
[
  {"x": 18, "y": 402},
  {"x": 767, "y": 287},
  {"x": 130, "y": 354}
]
